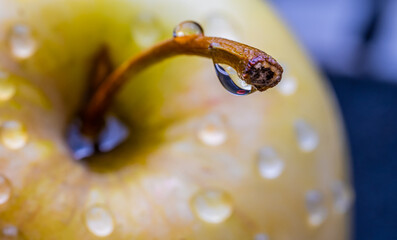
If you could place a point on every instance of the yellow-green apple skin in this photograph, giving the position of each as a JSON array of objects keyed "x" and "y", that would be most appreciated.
[{"x": 200, "y": 163}]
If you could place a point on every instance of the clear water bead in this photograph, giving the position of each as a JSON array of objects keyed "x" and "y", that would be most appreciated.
[
  {"x": 315, "y": 206},
  {"x": 261, "y": 236},
  {"x": 13, "y": 134},
  {"x": 306, "y": 136},
  {"x": 10, "y": 231},
  {"x": 187, "y": 28},
  {"x": 7, "y": 89},
  {"x": 212, "y": 131},
  {"x": 22, "y": 42},
  {"x": 99, "y": 221},
  {"x": 287, "y": 86},
  {"x": 145, "y": 30},
  {"x": 212, "y": 206},
  {"x": 269, "y": 163},
  {"x": 342, "y": 197},
  {"x": 231, "y": 81},
  {"x": 5, "y": 190}
]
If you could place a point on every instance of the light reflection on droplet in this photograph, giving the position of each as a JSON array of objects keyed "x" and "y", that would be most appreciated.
[
  {"x": 99, "y": 221},
  {"x": 315, "y": 207},
  {"x": 306, "y": 136},
  {"x": 7, "y": 89},
  {"x": 22, "y": 42},
  {"x": 187, "y": 28},
  {"x": 261, "y": 236},
  {"x": 269, "y": 163},
  {"x": 5, "y": 190},
  {"x": 231, "y": 81},
  {"x": 342, "y": 197},
  {"x": 212, "y": 206},
  {"x": 212, "y": 132},
  {"x": 287, "y": 86},
  {"x": 145, "y": 30},
  {"x": 13, "y": 134}
]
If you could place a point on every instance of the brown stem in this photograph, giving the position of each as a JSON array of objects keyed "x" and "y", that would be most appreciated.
[
  {"x": 252, "y": 65},
  {"x": 100, "y": 69}
]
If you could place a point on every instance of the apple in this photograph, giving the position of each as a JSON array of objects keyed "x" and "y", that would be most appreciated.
[{"x": 199, "y": 162}]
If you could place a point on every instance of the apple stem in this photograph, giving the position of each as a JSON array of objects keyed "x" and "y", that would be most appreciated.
[
  {"x": 251, "y": 64},
  {"x": 102, "y": 67}
]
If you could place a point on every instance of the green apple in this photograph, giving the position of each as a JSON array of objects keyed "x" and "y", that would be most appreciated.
[{"x": 199, "y": 163}]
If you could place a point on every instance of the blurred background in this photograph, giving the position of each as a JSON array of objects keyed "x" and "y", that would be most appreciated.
[{"x": 354, "y": 42}]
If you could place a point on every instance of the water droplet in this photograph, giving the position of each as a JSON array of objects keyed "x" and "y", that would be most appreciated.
[
  {"x": 10, "y": 232},
  {"x": 7, "y": 89},
  {"x": 145, "y": 30},
  {"x": 5, "y": 190},
  {"x": 306, "y": 136},
  {"x": 261, "y": 236},
  {"x": 99, "y": 221},
  {"x": 221, "y": 26},
  {"x": 13, "y": 134},
  {"x": 22, "y": 42},
  {"x": 231, "y": 81},
  {"x": 187, "y": 28},
  {"x": 342, "y": 197},
  {"x": 269, "y": 163},
  {"x": 213, "y": 206},
  {"x": 212, "y": 132},
  {"x": 315, "y": 207},
  {"x": 287, "y": 86}
]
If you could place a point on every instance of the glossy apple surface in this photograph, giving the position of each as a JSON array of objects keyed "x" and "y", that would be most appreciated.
[{"x": 200, "y": 163}]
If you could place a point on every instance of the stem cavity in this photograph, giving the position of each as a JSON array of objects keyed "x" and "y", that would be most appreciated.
[{"x": 253, "y": 66}]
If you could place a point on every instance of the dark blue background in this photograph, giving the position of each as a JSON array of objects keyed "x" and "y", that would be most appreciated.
[
  {"x": 355, "y": 43},
  {"x": 370, "y": 114}
]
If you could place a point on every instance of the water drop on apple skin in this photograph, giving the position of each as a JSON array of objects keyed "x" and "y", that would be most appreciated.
[
  {"x": 7, "y": 89},
  {"x": 10, "y": 232},
  {"x": 212, "y": 206},
  {"x": 212, "y": 131},
  {"x": 261, "y": 236},
  {"x": 13, "y": 134},
  {"x": 5, "y": 190},
  {"x": 187, "y": 28},
  {"x": 306, "y": 135},
  {"x": 342, "y": 197},
  {"x": 287, "y": 86},
  {"x": 22, "y": 42},
  {"x": 231, "y": 81},
  {"x": 99, "y": 221},
  {"x": 315, "y": 206},
  {"x": 269, "y": 163}
]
